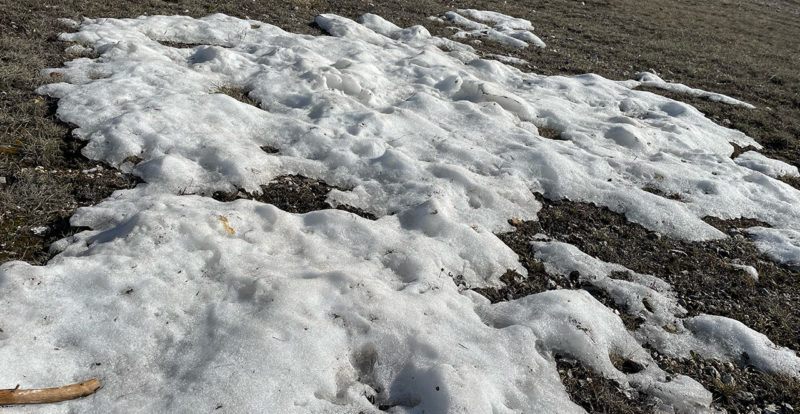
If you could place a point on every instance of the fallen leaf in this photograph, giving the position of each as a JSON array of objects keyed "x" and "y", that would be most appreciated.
[{"x": 224, "y": 221}]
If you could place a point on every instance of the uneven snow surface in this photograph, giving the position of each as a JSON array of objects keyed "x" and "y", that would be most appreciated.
[
  {"x": 507, "y": 30},
  {"x": 773, "y": 168},
  {"x": 180, "y": 303}
]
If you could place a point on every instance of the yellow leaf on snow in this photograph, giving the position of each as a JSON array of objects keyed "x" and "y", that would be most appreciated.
[{"x": 224, "y": 221}]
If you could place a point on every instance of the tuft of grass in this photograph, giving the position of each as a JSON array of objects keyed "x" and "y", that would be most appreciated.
[
  {"x": 550, "y": 133},
  {"x": 656, "y": 191},
  {"x": 239, "y": 94},
  {"x": 734, "y": 385},
  {"x": 792, "y": 181},
  {"x": 295, "y": 194},
  {"x": 597, "y": 394}
]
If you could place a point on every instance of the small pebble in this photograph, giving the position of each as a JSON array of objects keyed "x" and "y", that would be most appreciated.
[{"x": 728, "y": 379}]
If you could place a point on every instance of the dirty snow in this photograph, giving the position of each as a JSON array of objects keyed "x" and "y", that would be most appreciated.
[{"x": 178, "y": 302}]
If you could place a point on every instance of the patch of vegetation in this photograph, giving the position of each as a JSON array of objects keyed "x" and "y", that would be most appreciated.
[
  {"x": 517, "y": 286},
  {"x": 239, "y": 94},
  {"x": 656, "y": 191},
  {"x": 295, "y": 194},
  {"x": 36, "y": 204},
  {"x": 550, "y": 133},
  {"x": 792, "y": 181},
  {"x": 736, "y": 386},
  {"x": 597, "y": 394}
]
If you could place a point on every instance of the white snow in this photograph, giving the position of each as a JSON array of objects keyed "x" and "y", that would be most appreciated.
[
  {"x": 653, "y": 80},
  {"x": 507, "y": 30},
  {"x": 771, "y": 167},
  {"x": 508, "y": 59},
  {"x": 400, "y": 124},
  {"x": 39, "y": 230},
  {"x": 78, "y": 50},
  {"x": 187, "y": 303},
  {"x": 782, "y": 244},
  {"x": 750, "y": 270}
]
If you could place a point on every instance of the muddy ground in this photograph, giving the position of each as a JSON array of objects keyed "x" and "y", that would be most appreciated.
[{"x": 745, "y": 49}]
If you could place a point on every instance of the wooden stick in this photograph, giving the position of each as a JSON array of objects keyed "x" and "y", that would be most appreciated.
[{"x": 48, "y": 395}]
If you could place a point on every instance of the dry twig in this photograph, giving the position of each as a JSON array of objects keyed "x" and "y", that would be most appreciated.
[{"x": 48, "y": 395}]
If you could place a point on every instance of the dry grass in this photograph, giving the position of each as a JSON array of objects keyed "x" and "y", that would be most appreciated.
[{"x": 239, "y": 94}]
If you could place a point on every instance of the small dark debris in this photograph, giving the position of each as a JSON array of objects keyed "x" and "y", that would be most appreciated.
[
  {"x": 550, "y": 133},
  {"x": 179, "y": 45},
  {"x": 737, "y": 150},
  {"x": 656, "y": 191},
  {"x": 627, "y": 366}
]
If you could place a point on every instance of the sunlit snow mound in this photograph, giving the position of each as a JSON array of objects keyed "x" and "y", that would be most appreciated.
[{"x": 180, "y": 303}]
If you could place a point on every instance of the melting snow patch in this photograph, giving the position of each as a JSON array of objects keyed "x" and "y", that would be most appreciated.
[
  {"x": 652, "y": 298},
  {"x": 653, "y": 80},
  {"x": 750, "y": 270},
  {"x": 401, "y": 122},
  {"x": 773, "y": 168},
  {"x": 782, "y": 244},
  {"x": 188, "y": 303},
  {"x": 508, "y": 59},
  {"x": 510, "y": 31}
]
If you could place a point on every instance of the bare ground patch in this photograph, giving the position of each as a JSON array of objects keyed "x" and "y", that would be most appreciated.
[
  {"x": 597, "y": 394},
  {"x": 736, "y": 386},
  {"x": 295, "y": 194}
]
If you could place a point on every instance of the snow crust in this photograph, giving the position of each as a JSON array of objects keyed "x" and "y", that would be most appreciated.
[
  {"x": 180, "y": 303},
  {"x": 507, "y": 30}
]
